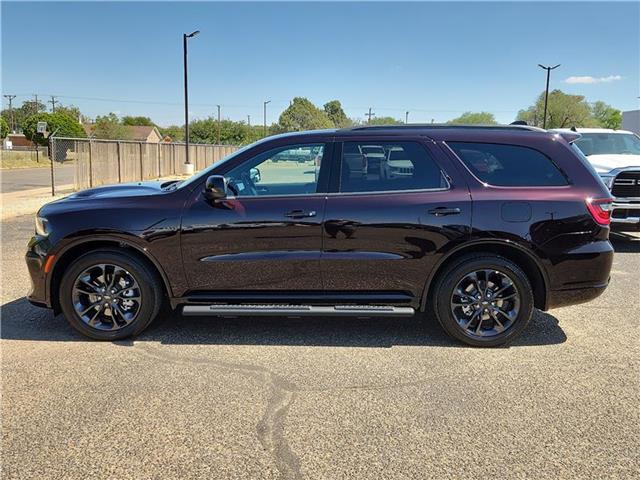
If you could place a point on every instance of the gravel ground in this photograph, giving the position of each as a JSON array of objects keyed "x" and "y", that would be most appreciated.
[{"x": 321, "y": 398}]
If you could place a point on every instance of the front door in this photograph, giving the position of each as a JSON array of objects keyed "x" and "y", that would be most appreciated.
[
  {"x": 391, "y": 219},
  {"x": 267, "y": 236}
]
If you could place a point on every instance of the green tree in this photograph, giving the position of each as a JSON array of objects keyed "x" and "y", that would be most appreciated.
[
  {"x": 110, "y": 127},
  {"x": 130, "y": 120},
  {"x": 563, "y": 111},
  {"x": 70, "y": 110},
  {"x": 474, "y": 118},
  {"x": 4, "y": 128},
  {"x": 59, "y": 123},
  {"x": 174, "y": 132},
  {"x": 302, "y": 115},
  {"x": 20, "y": 114},
  {"x": 336, "y": 114},
  {"x": 606, "y": 115},
  {"x": 231, "y": 133},
  {"x": 384, "y": 121}
]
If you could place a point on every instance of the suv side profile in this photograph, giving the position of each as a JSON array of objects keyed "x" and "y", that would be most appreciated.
[{"x": 484, "y": 225}]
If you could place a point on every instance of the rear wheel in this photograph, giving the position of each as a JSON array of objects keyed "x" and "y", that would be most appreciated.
[
  {"x": 109, "y": 295},
  {"x": 483, "y": 300}
]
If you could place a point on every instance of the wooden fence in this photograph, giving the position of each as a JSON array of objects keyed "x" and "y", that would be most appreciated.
[{"x": 100, "y": 162}]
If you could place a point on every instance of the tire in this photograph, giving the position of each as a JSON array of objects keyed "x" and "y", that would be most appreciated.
[
  {"x": 127, "y": 270},
  {"x": 495, "y": 273}
]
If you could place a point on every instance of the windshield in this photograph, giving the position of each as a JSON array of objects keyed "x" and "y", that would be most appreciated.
[{"x": 609, "y": 143}]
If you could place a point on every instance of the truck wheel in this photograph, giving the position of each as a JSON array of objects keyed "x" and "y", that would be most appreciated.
[
  {"x": 483, "y": 300},
  {"x": 109, "y": 295}
]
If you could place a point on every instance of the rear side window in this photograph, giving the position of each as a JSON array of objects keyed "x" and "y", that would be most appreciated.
[
  {"x": 388, "y": 166},
  {"x": 508, "y": 165}
]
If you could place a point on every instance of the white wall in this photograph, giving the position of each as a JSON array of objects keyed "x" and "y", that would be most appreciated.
[{"x": 631, "y": 121}]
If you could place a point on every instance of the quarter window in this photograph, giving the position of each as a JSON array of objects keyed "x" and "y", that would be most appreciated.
[
  {"x": 291, "y": 170},
  {"x": 388, "y": 166},
  {"x": 508, "y": 165}
]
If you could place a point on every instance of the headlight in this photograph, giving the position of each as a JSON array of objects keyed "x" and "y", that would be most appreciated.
[
  {"x": 42, "y": 226},
  {"x": 607, "y": 179}
]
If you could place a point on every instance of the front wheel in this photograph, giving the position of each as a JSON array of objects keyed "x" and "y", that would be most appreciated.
[
  {"x": 483, "y": 300},
  {"x": 109, "y": 295}
]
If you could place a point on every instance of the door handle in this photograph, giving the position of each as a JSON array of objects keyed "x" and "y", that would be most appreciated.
[
  {"x": 443, "y": 211},
  {"x": 300, "y": 214}
]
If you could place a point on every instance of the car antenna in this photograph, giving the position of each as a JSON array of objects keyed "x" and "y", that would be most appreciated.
[{"x": 574, "y": 129}]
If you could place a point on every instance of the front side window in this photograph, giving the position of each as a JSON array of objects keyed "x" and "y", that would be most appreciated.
[
  {"x": 609, "y": 143},
  {"x": 508, "y": 165},
  {"x": 388, "y": 166},
  {"x": 291, "y": 170}
]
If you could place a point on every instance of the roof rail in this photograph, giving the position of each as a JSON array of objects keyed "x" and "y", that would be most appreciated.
[{"x": 432, "y": 126}]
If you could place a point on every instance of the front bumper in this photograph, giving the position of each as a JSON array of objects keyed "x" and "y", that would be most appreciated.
[
  {"x": 36, "y": 258},
  {"x": 625, "y": 215}
]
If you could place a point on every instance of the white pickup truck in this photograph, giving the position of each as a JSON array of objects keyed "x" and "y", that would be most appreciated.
[{"x": 615, "y": 156}]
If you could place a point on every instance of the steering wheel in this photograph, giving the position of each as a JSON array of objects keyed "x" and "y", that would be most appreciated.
[{"x": 250, "y": 187}]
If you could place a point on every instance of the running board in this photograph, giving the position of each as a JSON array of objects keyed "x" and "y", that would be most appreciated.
[{"x": 298, "y": 310}]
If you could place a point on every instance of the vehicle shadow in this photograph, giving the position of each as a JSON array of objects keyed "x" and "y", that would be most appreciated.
[
  {"x": 22, "y": 321},
  {"x": 625, "y": 243}
]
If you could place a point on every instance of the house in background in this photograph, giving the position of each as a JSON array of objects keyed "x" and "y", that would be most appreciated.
[
  {"x": 631, "y": 121},
  {"x": 145, "y": 134},
  {"x": 137, "y": 133}
]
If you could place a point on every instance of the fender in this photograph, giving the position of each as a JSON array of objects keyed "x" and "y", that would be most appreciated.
[
  {"x": 477, "y": 243},
  {"x": 122, "y": 239}
]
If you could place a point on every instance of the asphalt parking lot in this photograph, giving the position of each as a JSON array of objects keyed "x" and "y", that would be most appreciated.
[{"x": 321, "y": 398}]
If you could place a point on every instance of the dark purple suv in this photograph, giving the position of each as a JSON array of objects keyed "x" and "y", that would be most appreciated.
[{"x": 476, "y": 226}]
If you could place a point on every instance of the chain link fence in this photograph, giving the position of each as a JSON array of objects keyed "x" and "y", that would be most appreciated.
[{"x": 101, "y": 162}]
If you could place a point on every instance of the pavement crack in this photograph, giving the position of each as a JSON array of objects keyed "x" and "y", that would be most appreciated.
[{"x": 271, "y": 427}]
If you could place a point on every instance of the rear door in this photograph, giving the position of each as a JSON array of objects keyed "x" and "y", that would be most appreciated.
[{"x": 388, "y": 222}]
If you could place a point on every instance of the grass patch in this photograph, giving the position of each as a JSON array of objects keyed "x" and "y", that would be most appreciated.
[{"x": 15, "y": 159}]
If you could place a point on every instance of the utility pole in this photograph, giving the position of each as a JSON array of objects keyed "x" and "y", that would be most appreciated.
[
  {"x": 218, "y": 124},
  {"x": 546, "y": 92},
  {"x": 406, "y": 117},
  {"x": 265, "y": 116},
  {"x": 34, "y": 143},
  {"x": 249, "y": 120},
  {"x": 10, "y": 98},
  {"x": 370, "y": 114},
  {"x": 53, "y": 102}
]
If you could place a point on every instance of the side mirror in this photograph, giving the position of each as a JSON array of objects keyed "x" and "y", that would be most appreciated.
[
  {"x": 215, "y": 188},
  {"x": 254, "y": 175}
]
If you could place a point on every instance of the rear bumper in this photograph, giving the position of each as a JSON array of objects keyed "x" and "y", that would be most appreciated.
[
  {"x": 574, "y": 296},
  {"x": 579, "y": 274}
]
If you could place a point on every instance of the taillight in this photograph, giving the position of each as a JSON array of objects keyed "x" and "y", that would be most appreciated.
[{"x": 600, "y": 209}]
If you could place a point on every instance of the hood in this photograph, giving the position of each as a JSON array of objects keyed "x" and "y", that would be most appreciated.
[
  {"x": 606, "y": 163},
  {"x": 122, "y": 190}
]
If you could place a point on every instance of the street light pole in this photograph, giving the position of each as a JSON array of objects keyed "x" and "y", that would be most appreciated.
[
  {"x": 406, "y": 117},
  {"x": 265, "y": 116},
  {"x": 187, "y": 168},
  {"x": 546, "y": 92}
]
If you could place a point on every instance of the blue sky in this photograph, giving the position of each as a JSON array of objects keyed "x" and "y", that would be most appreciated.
[{"x": 434, "y": 59}]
